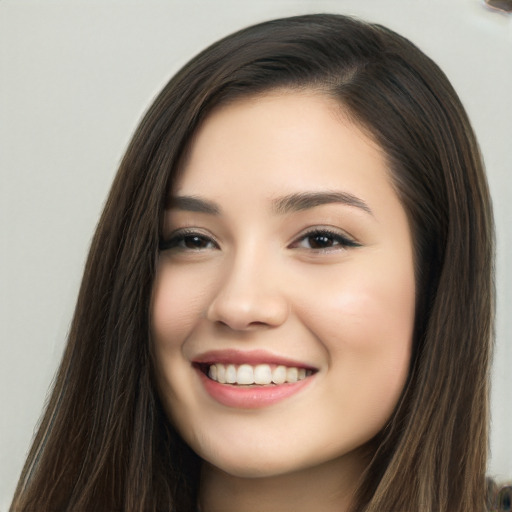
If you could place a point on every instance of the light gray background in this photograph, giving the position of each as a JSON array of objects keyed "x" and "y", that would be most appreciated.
[{"x": 75, "y": 76}]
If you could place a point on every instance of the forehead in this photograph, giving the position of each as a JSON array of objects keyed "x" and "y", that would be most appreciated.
[{"x": 283, "y": 137}]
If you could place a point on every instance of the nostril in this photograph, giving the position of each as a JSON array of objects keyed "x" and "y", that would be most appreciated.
[
  {"x": 257, "y": 324},
  {"x": 248, "y": 313}
]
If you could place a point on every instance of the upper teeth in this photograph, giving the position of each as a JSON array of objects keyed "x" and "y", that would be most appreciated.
[{"x": 260, "y": 374}]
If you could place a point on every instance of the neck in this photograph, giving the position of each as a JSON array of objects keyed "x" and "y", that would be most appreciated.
[{"x": 328, "y": 487}]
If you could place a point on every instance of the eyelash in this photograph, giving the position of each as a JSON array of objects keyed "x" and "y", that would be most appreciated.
[
  {"x": 341, "y": 241},
  {"x": 336, "y": 240},
  {"x": 181, "y": 236}
]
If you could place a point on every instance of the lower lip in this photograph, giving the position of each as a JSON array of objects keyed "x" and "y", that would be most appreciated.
[{"x": 251, "y": 397}]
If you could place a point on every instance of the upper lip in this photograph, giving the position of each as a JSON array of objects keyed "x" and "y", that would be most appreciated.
[{"x": 251, "y": 357}]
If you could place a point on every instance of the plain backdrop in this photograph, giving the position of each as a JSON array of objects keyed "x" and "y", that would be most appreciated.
[{"x": 75, "y": 77}]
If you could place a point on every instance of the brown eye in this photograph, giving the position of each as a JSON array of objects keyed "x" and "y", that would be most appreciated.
[
  {"x": 195, "y": 242},
  {"x": 186, "y": 241},
  {"x": 319, "y": 240}
]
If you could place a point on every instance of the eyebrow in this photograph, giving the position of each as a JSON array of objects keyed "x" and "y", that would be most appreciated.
[
  {"x": 282, "y": 205},
  {"x": 193, "y": 204},
  {"x": 306, "y": 200}
]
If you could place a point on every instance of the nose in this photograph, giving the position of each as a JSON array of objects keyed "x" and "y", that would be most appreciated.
[{"x": 249, "y": 296}]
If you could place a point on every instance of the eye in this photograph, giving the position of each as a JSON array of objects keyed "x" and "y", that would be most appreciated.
[
  {"x": 323, "y": 240},
  {"x": 188, "y": 241}
]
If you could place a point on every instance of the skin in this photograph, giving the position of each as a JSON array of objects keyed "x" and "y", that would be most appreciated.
[{"x": 255, "y": 279}]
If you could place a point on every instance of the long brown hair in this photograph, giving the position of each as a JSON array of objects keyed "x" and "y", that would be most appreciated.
[{"x": 104, "y": 442}]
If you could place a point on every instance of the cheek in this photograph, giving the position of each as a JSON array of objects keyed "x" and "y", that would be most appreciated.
[
  {"x": 175, "y": 308},
  {"x": 178, "y": 301},
  {"x": 366, "y": 325},
  {"x": 365, "y": 311}
]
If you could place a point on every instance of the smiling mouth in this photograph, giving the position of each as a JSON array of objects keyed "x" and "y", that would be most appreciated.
[{"x": 254, "y": 375}]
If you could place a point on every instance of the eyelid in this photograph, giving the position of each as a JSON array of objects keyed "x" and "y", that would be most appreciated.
[
  {"x": 170, "y": 242},
  {"x": 342, "y": 237}
]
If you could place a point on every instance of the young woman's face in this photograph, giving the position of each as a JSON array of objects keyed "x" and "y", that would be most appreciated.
[{"x": 283, "y": 306}]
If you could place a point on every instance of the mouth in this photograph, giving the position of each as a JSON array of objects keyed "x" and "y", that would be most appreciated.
[
  {"x": 254, "y": 375},
  {"x": 251, "y": 379}
]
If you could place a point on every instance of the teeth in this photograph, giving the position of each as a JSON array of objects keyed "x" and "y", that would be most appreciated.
[
  {"x": 221, "y": 373},
  {"x": 292, "y": 374},
  {"x": 245, "y": 374},
  {"x": 261, "y": 374},
  {"x": 279, "y": 375},
  {"x": 231, "y": 374}
]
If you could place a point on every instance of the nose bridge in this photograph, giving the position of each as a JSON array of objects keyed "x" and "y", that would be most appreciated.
[{"x": 249, "y": 293}]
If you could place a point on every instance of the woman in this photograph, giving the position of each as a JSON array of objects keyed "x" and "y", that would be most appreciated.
[{"x": 289, "y": 295}]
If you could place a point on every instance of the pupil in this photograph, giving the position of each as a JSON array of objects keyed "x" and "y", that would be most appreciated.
[
  {"x": 320, "y": 241},
  {"x": 194, "y": 242}
]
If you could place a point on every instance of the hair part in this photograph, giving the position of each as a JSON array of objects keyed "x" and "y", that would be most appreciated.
[{"x": 104, "y": 442}]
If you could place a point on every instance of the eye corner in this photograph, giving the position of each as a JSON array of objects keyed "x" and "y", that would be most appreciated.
[{"x": 164, "y": 244}]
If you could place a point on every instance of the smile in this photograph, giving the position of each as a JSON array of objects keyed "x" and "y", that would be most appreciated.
[
  {"x": 261, "y": 374},
  {"x": 251, "y": 379}
]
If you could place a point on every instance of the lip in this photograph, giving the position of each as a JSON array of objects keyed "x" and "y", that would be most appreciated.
[
  {"x": 251, "y": 357},
  {"x": 249, "y": 397}
]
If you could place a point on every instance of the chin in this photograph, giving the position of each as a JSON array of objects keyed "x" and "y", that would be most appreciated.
[
  {"x": 259, "y": 468},
  {"x": 265, "y": 462}
]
